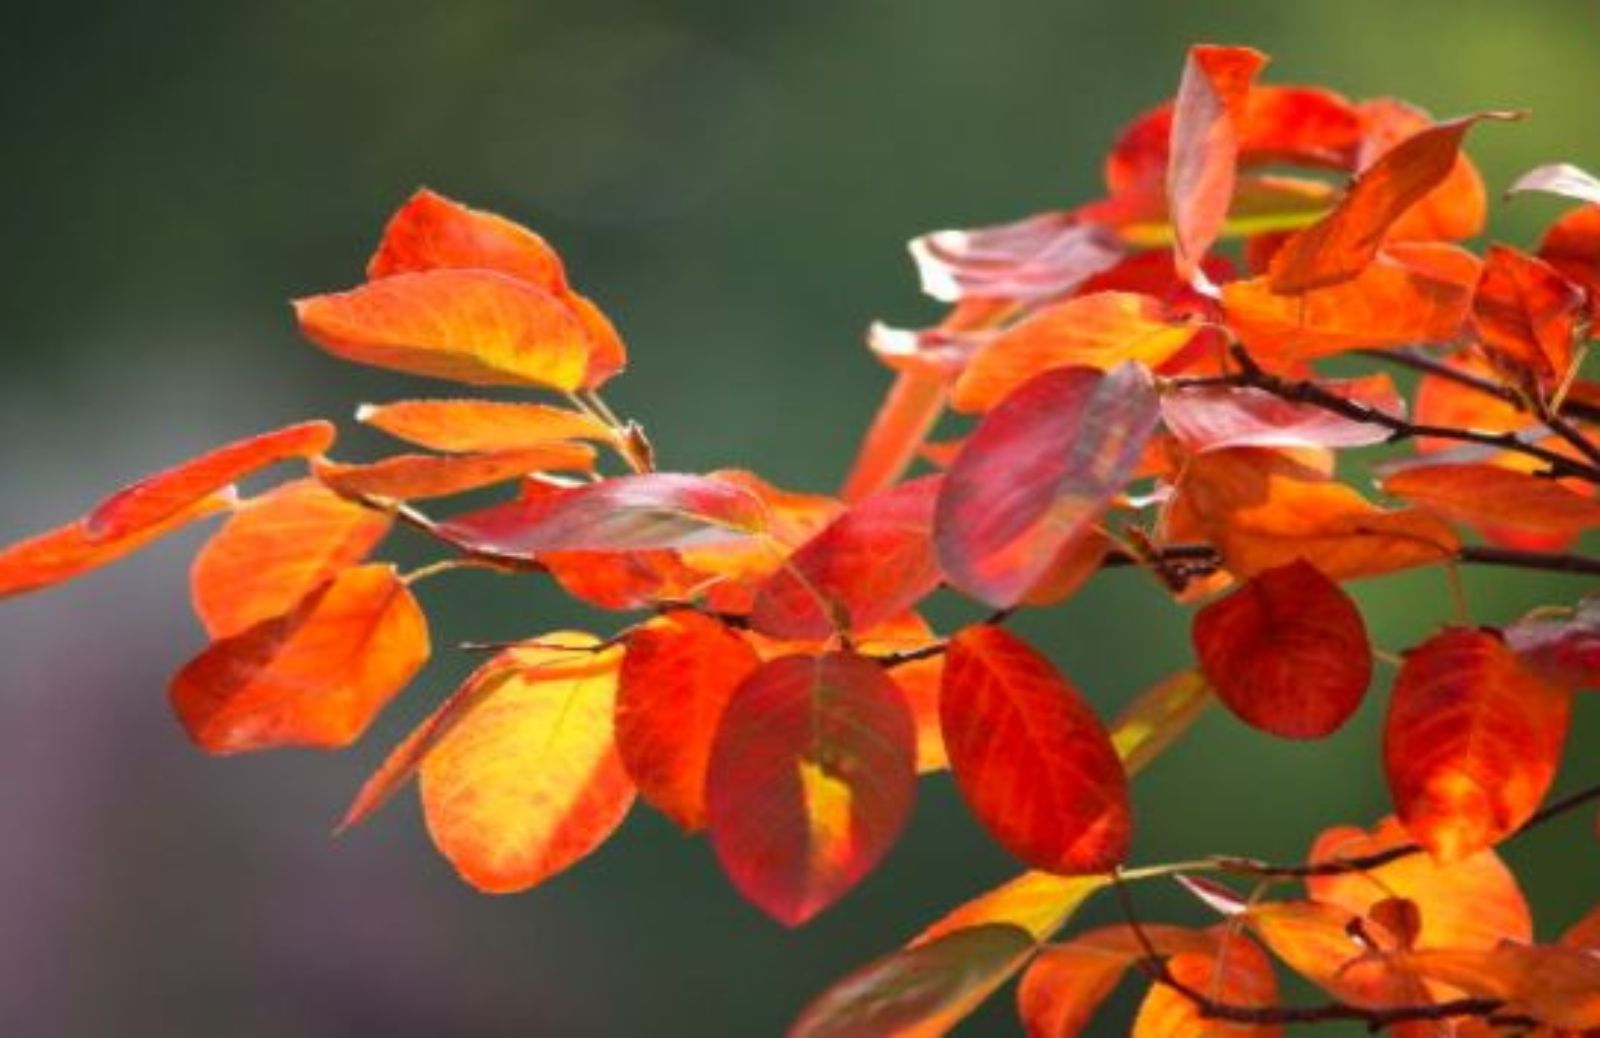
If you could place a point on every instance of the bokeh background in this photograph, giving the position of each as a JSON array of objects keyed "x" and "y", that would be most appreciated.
[{"x": 734, "y": 181}]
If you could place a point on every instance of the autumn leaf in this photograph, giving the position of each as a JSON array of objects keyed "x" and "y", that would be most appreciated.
[
  {"x": 813, "y": 774},
  {"x": 1342, "y": 244},
  {"x": 1563, "y": 647},
  {"x": 1207, "y": 124},
  {"x": 1488, "y": 495},
  {"x": 1032, "y": 761},
  {"x": 316, "y": 676},
  {"x": 1209, "y": 418},
  {"x": 432, "y": 232},
  {"x": 1559, "y": 178},
  {"x": 274, "y": 550},
  {"x": 626, "y": 513},
  {"x": 1037, "y": 473},
  {"x": 1097, "y": 331},
  {"x": 1041, "y": 256},
  {"x": 411, "y": 477},
  {"x": 156, "y": 498},
  {"x": 1237, "y": 973},
  {"x": 677, "y": 676},
  {"x": 1471, "y": 743},
  {"x": 874, "y": 562},
  {"x": 525, "y": 779},
  {"x": 474, "y": 326},
  {"x": 480, "y": 426},
  {"x": 1287, "y": 652},
  {"x": 920, "y": 991},
  {"x": 1558, "y": 985},
  {"x": 1067, "y": 982},
  {"x": 1527, "y": 314},
  {"x": 1328, "y": 945}
]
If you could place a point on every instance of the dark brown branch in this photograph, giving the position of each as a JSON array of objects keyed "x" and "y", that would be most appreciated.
[
  {"x": 1430, "y": 366},
  {"x": 1550, "y": 562}
]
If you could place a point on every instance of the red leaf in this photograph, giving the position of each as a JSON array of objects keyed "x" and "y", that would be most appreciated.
[
  {"x": 1038, "y": 472},
  {"x": 431, "y": 232},
  {"x": 1030, "y": 757},
  {"x": 1218, "y": 417},
  {"x": 68, "y": 551},
  {"x": 524, "y": 779},
  {"x": 813, "y": 773},
  {"x": 314, "y": 677},
  {"x": 410, "y": 477},
  {"x": 276, "y": 549},
  {"x": 479, "y": 426},
  {"x": 868, "y": 566},
  {"x": 157, "y": 498},
  {"x": 1342, "y": 244},
  {"x": 627, "y": 513},
  {"x": 1572, "y": 246},
  {"x": 1527, "y": 314},
  {"x": 679, "y": 672},
  {"x": 1471, "y": 743},
  {"x": 1564, "y": 648},
  {"x": 473, "y": 326},
  {"x": 1207, "y": 125},
  {"x": 1287, "y": 652}
]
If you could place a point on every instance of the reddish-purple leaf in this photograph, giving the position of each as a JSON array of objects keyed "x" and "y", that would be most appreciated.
[
  {"x": 1218, "y": 417},
  {"x": 1562, "y": 179}
]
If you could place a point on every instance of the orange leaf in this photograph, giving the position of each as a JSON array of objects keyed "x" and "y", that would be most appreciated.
[
  {"x": 1039, "y": 471},
  {"x": 1098, "y": 331},
  {"x": 1527, "y": 314},
  {"x": 1318, "y": 941},
  {"x": 1470, "y": 903},
  {"x": 1485, "y": 494},
  {"x": 1572, "y": 246},
  {"x": 813, "y": 774},
  {"x": 525, "y": 780},
  {"x": 679, "y": 672},
  {"x": 480, "y": 426},
  {"x": 871, "y": 564},
  {"x": 1287, "y": 652},
  {"x": 157, "y": 498},
  {"x": 1262, "y": 510},
  {"x": 410, "y": 477},
  {"x": 68, "y": 551},
  {"x": 1207, "y": 124},
  {"x": 1342, "y": 244},
  {"x": 917, "y": 992},
  {"x": 1066, "y": 983},
  {"x": 432, "y": 232},
  {"x": 473, "y": 326},
  {"x": 1413, "y": 293},
  {"x": 1471, "y": 743},
  {"x": 1032, "y": 761},
  {"x": 316, "y": 676},
  {"x": 276, "y": 549},
  {"x": 1456, "y": 209},
  {"x": 1157, "y": 717},
  {"x": 1237, "y": 973},
  {"x": 1558, "y": 985}
]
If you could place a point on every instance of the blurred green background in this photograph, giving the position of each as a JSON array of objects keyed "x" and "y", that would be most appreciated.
[{"x": 734, "y": 182}]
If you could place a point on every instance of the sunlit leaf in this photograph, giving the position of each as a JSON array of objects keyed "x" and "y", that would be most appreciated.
[
  {"x": 156, "y": 498},
  {"x": 1527, "y": 314},
  {"x": 316, "y": 676},
  {"x": 525, "y": 779},
  {"x": 1158, "y": 717},
  {"x": 474, "y": 326},
  {"x": 1066, "y": 983},
  {"x": 1218, "y": 417},
  {"x": 1485, "y": 494},
  {"x": 1039, "y": 470},
  {"x": 410, "y": 477},
  {"x": 1207, "y": 126},
  {"x": 1237, "y": 973},
  {"x": 813, "y": 773},
  {"x": 1564, "y": 647},
  {"x": 276, "y": 549},
  {"x": 1471, "y": 743},
  {"x": 1320, "y": 942},
  {"x": 480, "y": 426},
  {"x": 432, "y": 232},
  {"x": 1098, "y": 331},
  {"x": 872, "y": 563},
  {"x": 1287, "y": 652},
  {"x": 920, "y": 991},
  {"x": 1031, "y": 759},
  {"x": 679, "y": 672},
  {"x": 1558, "y": 985},
  {"x": 1041, "y": 256}
]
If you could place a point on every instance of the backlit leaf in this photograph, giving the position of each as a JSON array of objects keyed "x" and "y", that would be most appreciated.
[
  {"x": 1037, "y": 473},
  {"x": 526, "y": 780},
  {"x": 1471, "y": 742},
  {"x": 1158, "y": 717},
  {"x": 473, "y": 326},
  {"x": 1207, "y": 125},
  {"x": 920, "y": 991},
  {"x": 1287, "y": 652},
  {"x": 1237, "y": 973},
  {"x": 1342, "y": 244},
  {"x": 1066, "y": 983},
  {"x": 432, "y": 232},
  {"x": 1044, "y": 255},
  {"x": 872, "y": 563},
  {"x": 480, "y": 426},
  {"x": 1485, "y": 494},
  {"x": 813, "y": 774},
  {"x": 1097, "y": 331},
  {"x": 1527, "y": 314},
  {"x": 316, "y": 676},
  {"x": 156, "y": 498},
  {"x": 1030, "y": 757},
  {"x": 1565, "y": 648},
  {"x": 1558, "y": 985},
  {"x": 626, "y": 513},
  {"x": 679, "y": 672},
  {"x": 412, "y": 477},
  {"x": 1217, "y": 417},
  {"x": 276, "y": 549}
]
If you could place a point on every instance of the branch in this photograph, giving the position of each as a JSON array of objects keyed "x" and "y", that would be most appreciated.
[{"x": 1417, "y": 361}]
